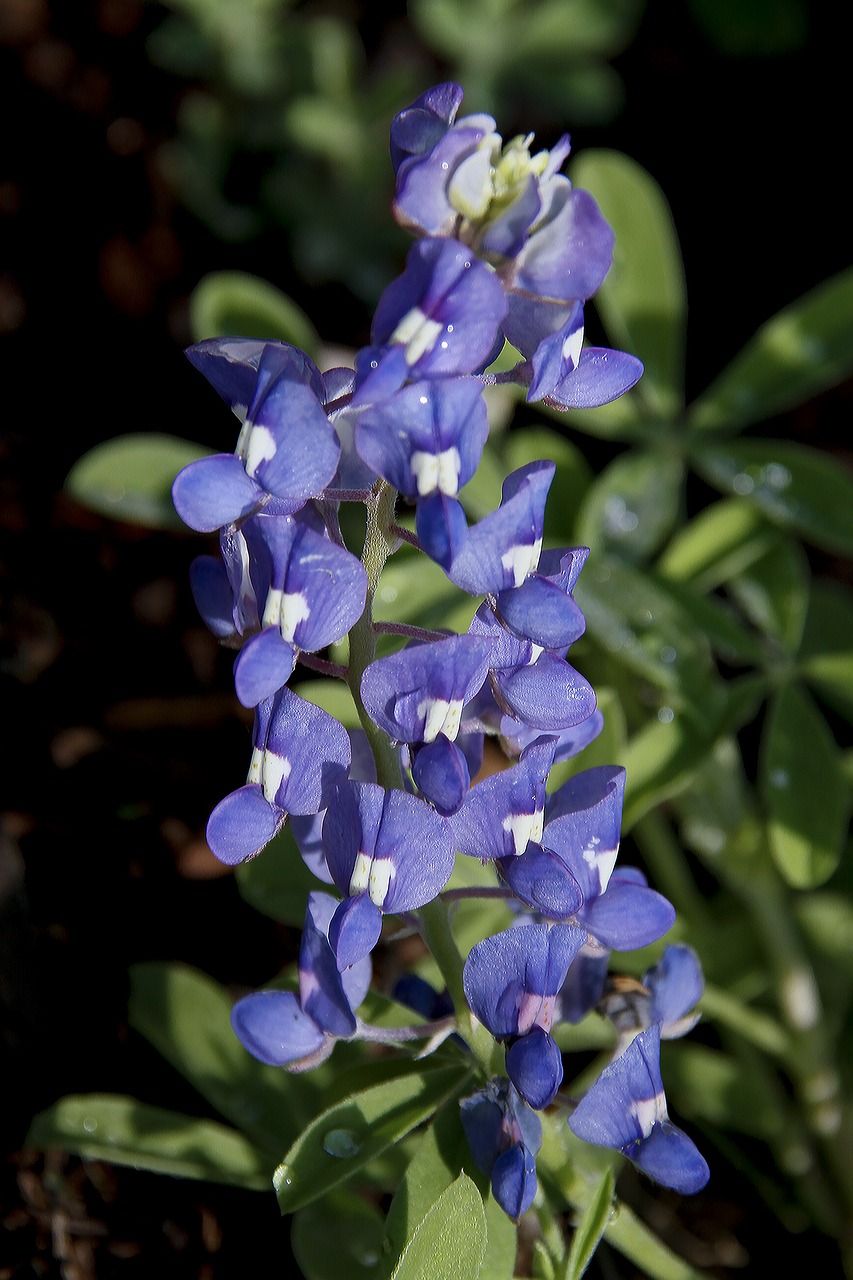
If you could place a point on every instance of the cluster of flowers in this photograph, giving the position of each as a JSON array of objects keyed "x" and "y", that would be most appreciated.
[{"x": 506, "y": 249}]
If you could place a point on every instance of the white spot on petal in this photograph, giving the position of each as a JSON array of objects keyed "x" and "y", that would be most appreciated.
[
  {"x": 440, "y": 716},
  {"x": 417, "y": 333},
  {"x": 524, "y": 827},
  {"x": 382, "y": 872},
  {"x": 437, "y": 471},
  {"x": 275, "y": 771},
  {"x": 522, "y": 560},
  {"x": 360, "y": 877},
  {"x": 648, "y": 1112},
  {"x": 261, "y": 448}
]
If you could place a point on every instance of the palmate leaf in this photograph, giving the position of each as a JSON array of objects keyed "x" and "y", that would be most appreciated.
[
  {"x": 718, "y": 542},
  {"x": 125, "y": 1131},
  {"x": 450, "y": 1242},
  {"x": 803, "y": 788},
  {"x": 796, "y": 487},
  {"x": 633, "y": 504},
  {"x": 643, "y": 300},
  {"x": 130, "y": 478},
  {"x": 774, "y": 592},
  {"x": 826, "y": 654},
  {"x": 805, "y": 349},
  {"x": 344, "y": 1138}
]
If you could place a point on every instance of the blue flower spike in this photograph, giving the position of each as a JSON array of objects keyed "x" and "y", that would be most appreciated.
[{"x": 626, "y": 1110}]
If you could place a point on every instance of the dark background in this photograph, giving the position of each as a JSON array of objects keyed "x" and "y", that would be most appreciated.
[{"x": 121, "y": 730}]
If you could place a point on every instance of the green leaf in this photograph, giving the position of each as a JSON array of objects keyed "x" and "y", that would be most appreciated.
[
  {"x": 344, "y": 1138},
  {"x": 186, "y": 1016},
  {"x": 643, "y": 300},
  {"x": 804, "y": 790},
  {"x": 633, "y": 504},
  {"x": 278, "y": 884},
  {"x": 442, "y": 1154},
  {"x": 801, "y": 351},
  {"x": 450, "y": 1242},
  {"x": 590, "y": 1229},
  {"x": 664, "y": 757},
  {"x": 122, "y": 1130},
  {"x": 774, "y": 592},
  {"x": 722, "y": 540},
  {"x": 352, "y": 1249},
  {"x": 794, "y": 486},
  {"x": 826, "y": 654},
  {"x": 228, "y": 303},
  {"x": 130, "y": 478}
]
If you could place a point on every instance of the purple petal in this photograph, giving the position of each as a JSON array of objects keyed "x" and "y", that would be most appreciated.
[
  {"x": 355, "y": 930},
  {"x": 627, "y": 916},
  {"x": 672, "y": 1159},
  {"x": 242, "y": 824},
  {"x": 548, "y": 695},
  {"x": 264, "y": 664},
  {"x": 676, "y": 983},
  {"x": 626, "y": 1100},
  {"x": 504, "y": 811},
  {"x": 417, "y": 128},
  {"x": 570, "y": 253},
  {"x": 306, "y": 753},
  {"x": 602, "y": 375},
  {"x": 440, "y": 772},
  {"x": 503, "y": 548},
  {"x": 215, "y": 491},
  {"x": 419, "y": 692},
  {"x": 511, "y": 979},
  {"x": 441, "y": 528},
  {"x": 514, "y": 1180},
  {"x": 321, "y": 990},
  {"x": 535, "y": 1067},
  {"x": 539, "y": 610},
  {"x": 274, "y": 1029},
  {"x": 212, "y": 594},
  {"x": 543, "y": 881}
]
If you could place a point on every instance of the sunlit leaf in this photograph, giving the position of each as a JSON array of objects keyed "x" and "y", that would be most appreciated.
[
  {"x": 130, "y": 478},
  {"x": 344, "y": 1138},
  {"x": 332, "y": 695},
  {"x": 826, "y": 654},
  {"x": 721, "y": 540},
  {"x": 774, "y": 592},
  {"x": 804, "y": 789},
  {"x": 227, "y": 303},
  {"x": 801, "y": 351},
  {"x": 643, "y": 299},
  {"x": 450, "y": 1242},
  {"x": 125, "y": 1131}
]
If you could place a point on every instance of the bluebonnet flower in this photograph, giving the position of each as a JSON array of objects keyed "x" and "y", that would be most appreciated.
[
  {"x": 388, "y": 852},
  {"x": 626, "y": 1109},
  {"x": 548, "y": 242},
  {"x": 300, "y": 755},
  {"x": 417, "y": 697},
  {"x": 440, "y": 318},
  {"x": 667, "y": 995},
  {"x": 504, "y": 1135},
  {"x": 287, "y": 447},
  {"x": 426, "y": 441},
  {"x": 511, "y": 982},
  {"x": 283, "y": 1029}
]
